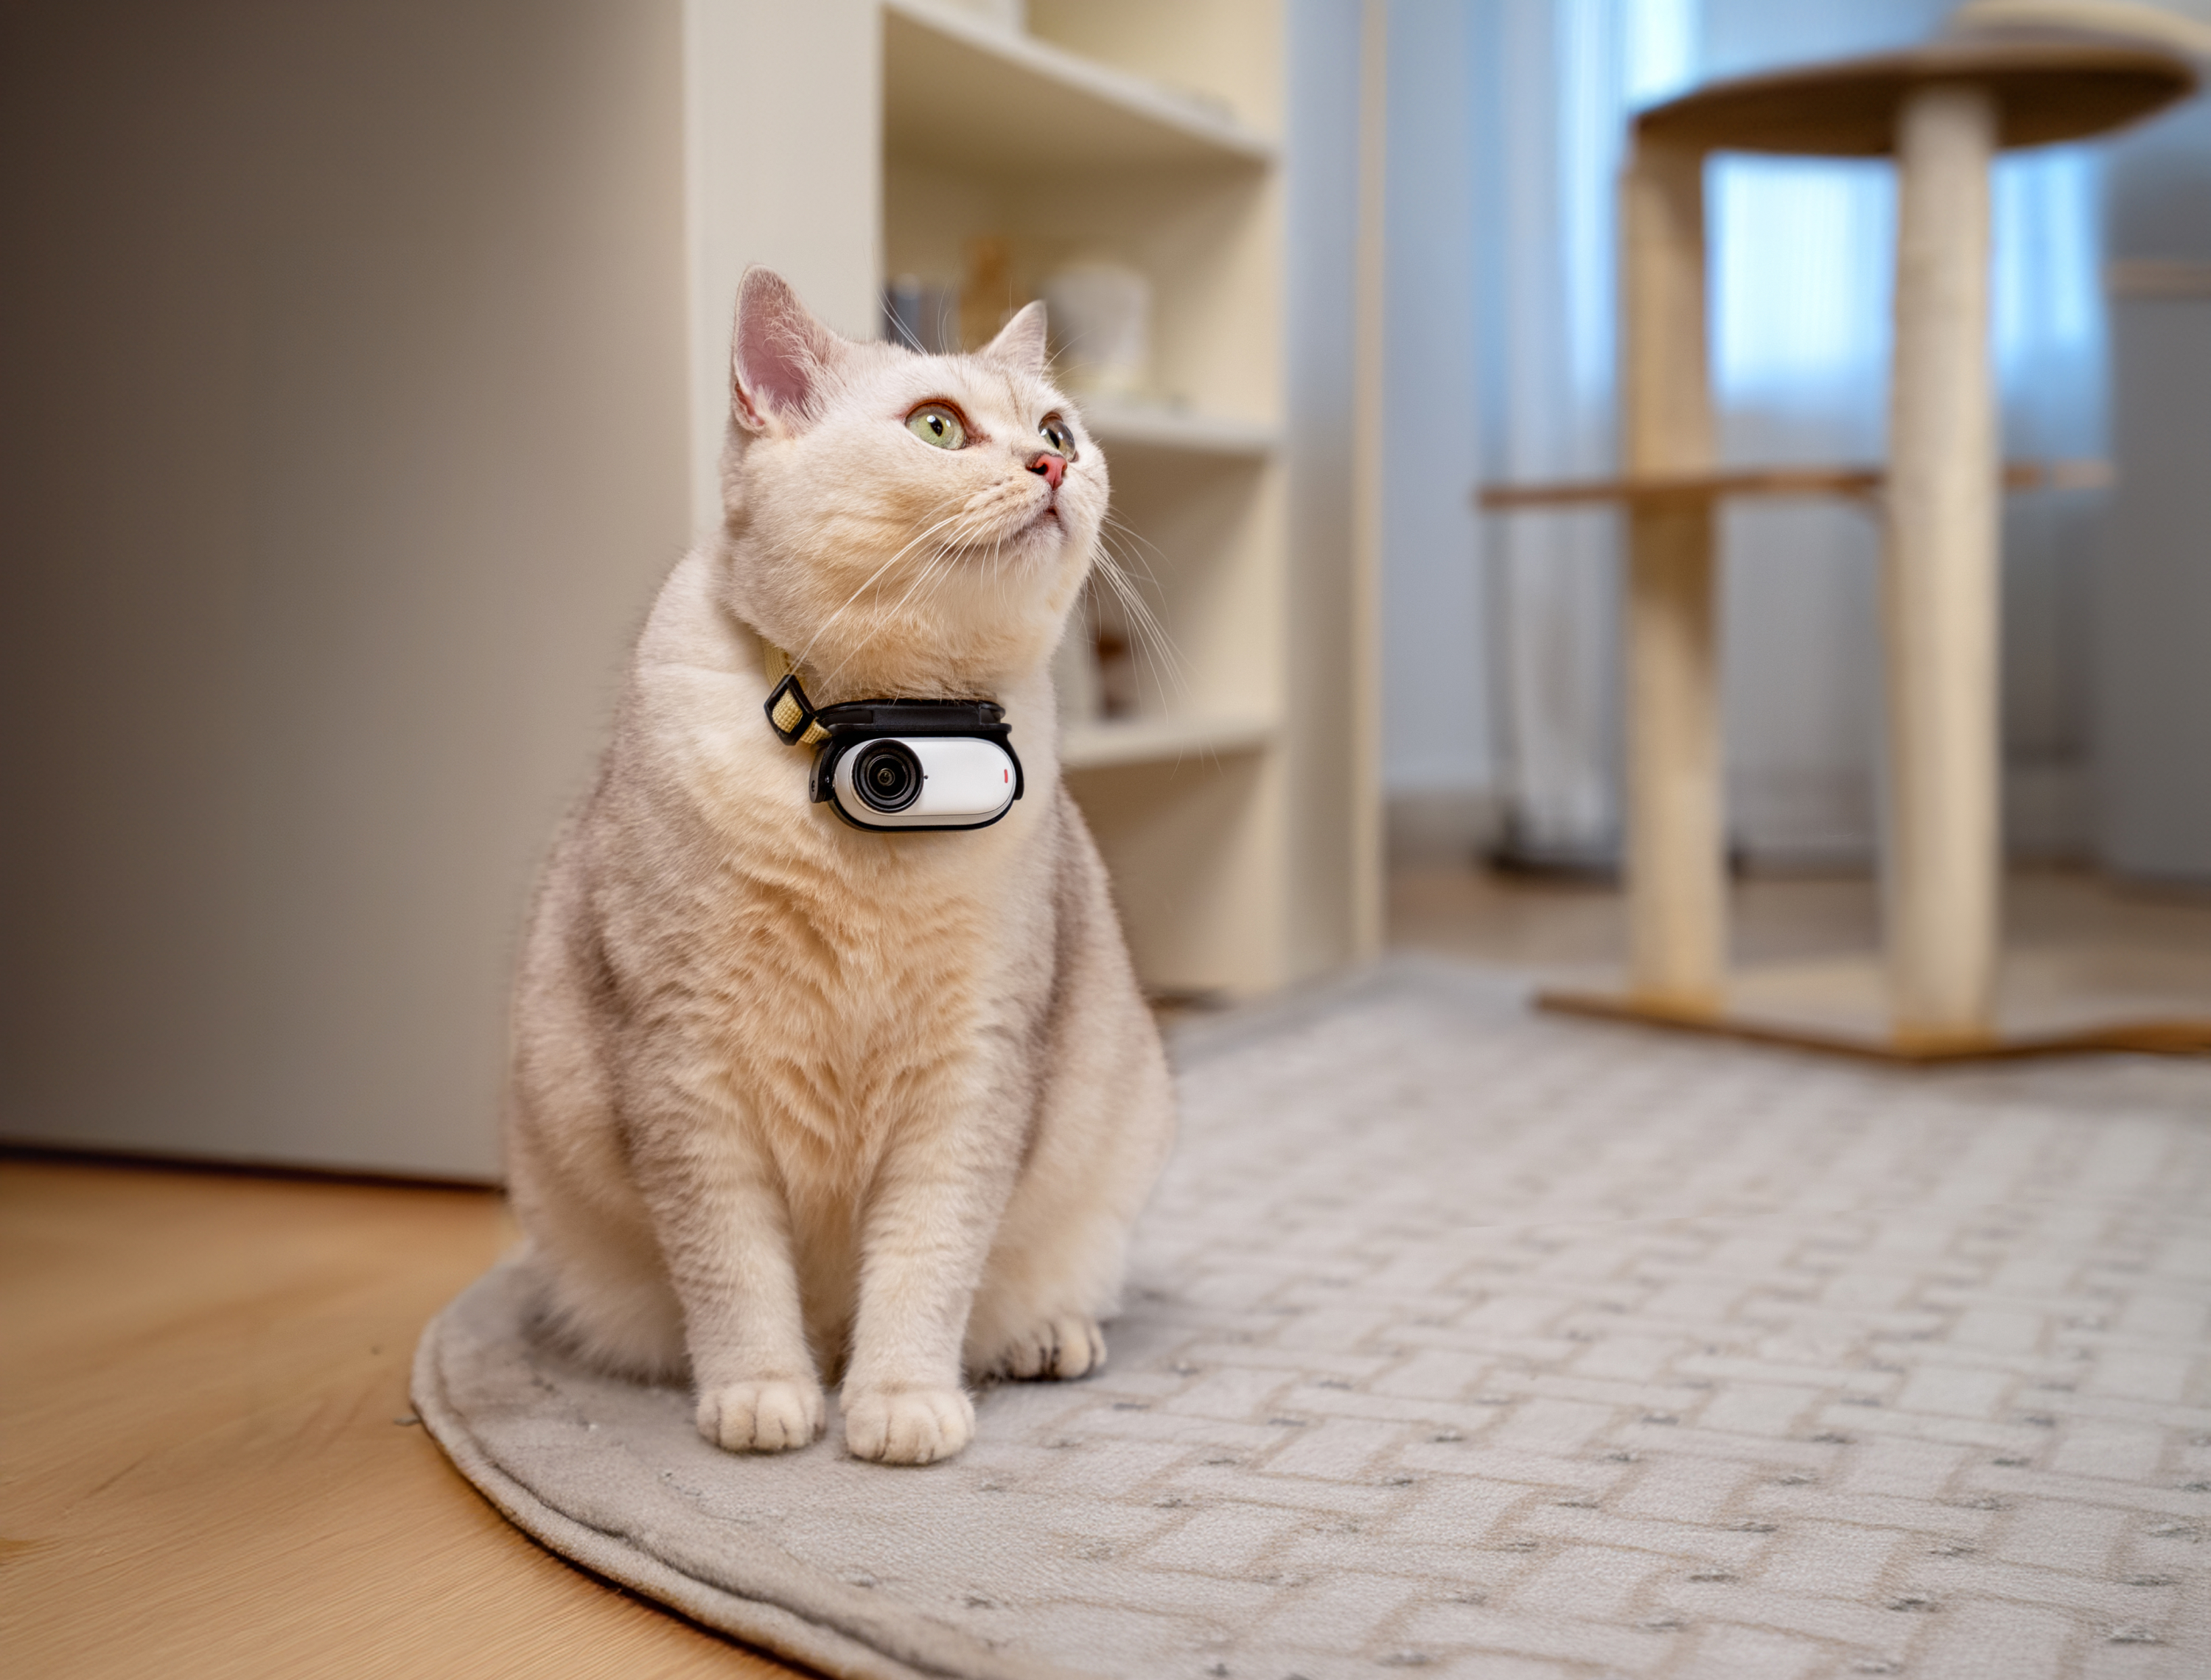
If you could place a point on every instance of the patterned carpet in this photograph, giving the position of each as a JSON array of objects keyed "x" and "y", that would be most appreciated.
[{"x": 1482, "y": 1344}]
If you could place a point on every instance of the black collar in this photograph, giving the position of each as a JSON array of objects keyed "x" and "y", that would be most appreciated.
[{"x": 797, "y": 722}]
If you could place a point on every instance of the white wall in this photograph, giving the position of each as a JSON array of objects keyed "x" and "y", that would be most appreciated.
[
  {"x": 345, "y": 440},
  {"x": 2152, "y": 603},
  {"x": 777, "y": 99},
  {"x": 1321, "y": 160}
]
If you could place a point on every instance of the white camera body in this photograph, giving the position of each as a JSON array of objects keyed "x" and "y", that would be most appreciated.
[
  {"x": 903, "y": 765},
  {"x": 892, "y": 782}
]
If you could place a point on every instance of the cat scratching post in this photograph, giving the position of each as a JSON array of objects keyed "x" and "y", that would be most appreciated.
[
  {"x": 1943, "y": 111},
  {"x": 1939, "y": 579},
  {"x": 1676, "y": 892}
]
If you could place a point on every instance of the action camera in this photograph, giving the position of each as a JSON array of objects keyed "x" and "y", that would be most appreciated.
[{"x": 903, "y": 765}]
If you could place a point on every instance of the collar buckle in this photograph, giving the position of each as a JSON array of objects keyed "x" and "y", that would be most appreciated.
[{"x": 791, "y": 716}]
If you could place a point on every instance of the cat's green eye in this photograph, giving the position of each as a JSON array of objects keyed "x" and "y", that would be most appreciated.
[
  {"x": 1058, "y": 433},
  {"x": 936, "y": 423}
]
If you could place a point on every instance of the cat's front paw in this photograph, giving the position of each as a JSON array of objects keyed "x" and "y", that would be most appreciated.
[
  {"x": 761, "y": 1417},
  {"x": 908, "y": 1426},
  {"x": 1065, "y": 1347}
]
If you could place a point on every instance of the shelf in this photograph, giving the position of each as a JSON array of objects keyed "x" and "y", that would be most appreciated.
[
  {"x": 1145, "y": 136},
  {"x": 1161, "y": 741},
  {"x": 1689, "y": 488},
  {"x": 1123, "y": 425},
  {"x": 2046, "y": 90},
  {"x": 958, "y": 91}
]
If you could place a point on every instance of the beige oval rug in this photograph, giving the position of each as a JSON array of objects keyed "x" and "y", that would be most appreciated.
[{"x": 1475, "y": 1342}]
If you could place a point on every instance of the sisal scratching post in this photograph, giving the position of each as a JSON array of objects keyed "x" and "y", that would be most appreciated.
[
  {"x": 1677, "y": 902},
  {"x": 1943, "y": 111},
  {"x": 1939, "y": 584}
]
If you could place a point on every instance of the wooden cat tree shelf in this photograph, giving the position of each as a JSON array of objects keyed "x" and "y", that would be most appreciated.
[{"x": 1943, "y": 112}]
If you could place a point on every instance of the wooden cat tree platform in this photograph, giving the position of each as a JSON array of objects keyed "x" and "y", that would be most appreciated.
[{"x": 1943, "y": 112}]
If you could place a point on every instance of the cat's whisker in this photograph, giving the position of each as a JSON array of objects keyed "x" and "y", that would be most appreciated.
[
  {"x": 891, "y": 618},
  {"x": 923, "y": 536},
  {"x": 806, "y": 652},
  {"x": 1128, "y": 534},
  {"x": 1149, "y": 637},
  {"x": 935, "y": 560},
  {"x": 940, "y": 564},
  {"x": 983, "y": 513},
  {"x": 1161, "y": 660},
  {"x": 914, "y": 542},
  {"x": 1161, "y": 665},
  {"x": 1131, "y": 542},
  {"x": 998, "y": 574}
]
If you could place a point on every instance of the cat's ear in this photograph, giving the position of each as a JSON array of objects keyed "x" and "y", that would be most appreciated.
[
  {"x": 1020, "y": 343},
  {"x": 779, "y": 355}
]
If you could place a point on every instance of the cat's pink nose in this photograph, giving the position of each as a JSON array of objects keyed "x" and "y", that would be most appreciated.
[{"x": 1053, "y": 467}]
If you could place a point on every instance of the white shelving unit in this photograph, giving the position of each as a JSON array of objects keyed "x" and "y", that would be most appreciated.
[
  {"x": 1144, "y": 134},
  {"x": 1146, "y": 741},
  {"x": 957, "y": 87},
  {"x": 1127, "y": 426}
]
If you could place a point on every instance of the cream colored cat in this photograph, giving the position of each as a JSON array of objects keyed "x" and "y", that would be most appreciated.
[{"x": 790, "y": 1097}]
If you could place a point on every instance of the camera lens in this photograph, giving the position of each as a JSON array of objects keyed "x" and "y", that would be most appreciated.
[{"x": 888, "y": 776}]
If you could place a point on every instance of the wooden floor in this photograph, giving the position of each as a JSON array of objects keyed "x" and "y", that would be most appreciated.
[
  {"x": 206, "y": 1459},
  {"x": 204, "y": 1445}
]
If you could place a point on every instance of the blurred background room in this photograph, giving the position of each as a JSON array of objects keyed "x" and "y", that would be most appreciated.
[
  {"x": 366, "y": 371},
  {"x": 368, "y": 368},
  {"x": 1506, "y": 127},
  {"x": 363, "y": 369}
]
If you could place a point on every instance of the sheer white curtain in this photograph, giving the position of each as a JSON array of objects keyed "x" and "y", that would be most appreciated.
[
  {"x": 1555, "y": 82},
  {"x": 1802, "y": 253}
]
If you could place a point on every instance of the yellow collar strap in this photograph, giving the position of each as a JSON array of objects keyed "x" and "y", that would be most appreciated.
[
  {"x": 797, "y": 722},
  {"x": 788, "y": 712}
]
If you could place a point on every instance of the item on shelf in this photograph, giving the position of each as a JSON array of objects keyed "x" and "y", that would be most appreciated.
[
  {"x": 1101, "y": 328},
  {"x": 987, "y": 301},
  {"x": 1111, "y": 650},
  {"x": 1116, "y": 674},
  {"x": 1012, "y": 14},
  {"x": 922, "y": 316}
]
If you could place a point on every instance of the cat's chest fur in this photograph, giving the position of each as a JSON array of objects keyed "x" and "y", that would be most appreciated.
[{"x": 845, "y": 980}]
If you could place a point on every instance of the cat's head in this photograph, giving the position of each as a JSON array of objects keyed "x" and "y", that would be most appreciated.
[{"x": 904, "y": 525}]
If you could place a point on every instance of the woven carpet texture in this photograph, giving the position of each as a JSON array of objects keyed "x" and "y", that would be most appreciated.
[{"x": 1475, "y": 1342}]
